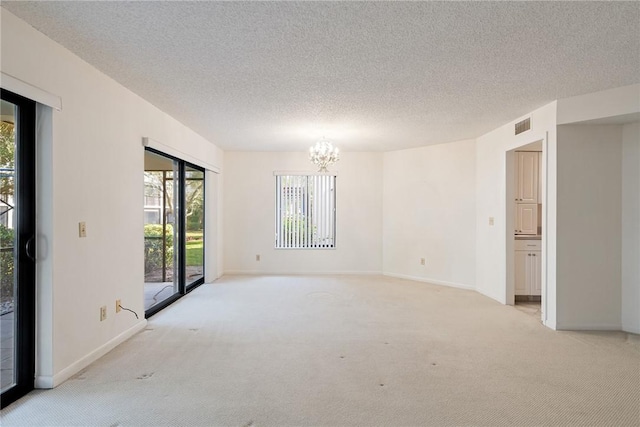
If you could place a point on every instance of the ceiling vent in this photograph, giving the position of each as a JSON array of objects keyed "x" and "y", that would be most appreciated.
[{"x": 523, "y": 126}]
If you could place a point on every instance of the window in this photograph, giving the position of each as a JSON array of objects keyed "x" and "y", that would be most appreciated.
[{"x": 305, "y": 211}]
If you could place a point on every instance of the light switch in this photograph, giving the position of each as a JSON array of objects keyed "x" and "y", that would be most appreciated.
[
  {"x": 491, "y": 220},
  {"x": 82, "y": 229}
]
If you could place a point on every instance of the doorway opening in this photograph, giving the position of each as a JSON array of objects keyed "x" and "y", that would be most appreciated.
[
  {"x": 174, "y": 205},
  {"x": 525, "y": 202}
]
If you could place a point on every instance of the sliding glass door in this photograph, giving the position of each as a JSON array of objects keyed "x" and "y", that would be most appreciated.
[
  {"x": 194, "y": 225},
  {"x": 17, "y": 246},
  {"x": 161, "y": 230},
  {"x": 173, "y": 229}
]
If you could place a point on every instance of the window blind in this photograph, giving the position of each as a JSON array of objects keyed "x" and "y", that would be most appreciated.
[{"x": 305, "y": 211}]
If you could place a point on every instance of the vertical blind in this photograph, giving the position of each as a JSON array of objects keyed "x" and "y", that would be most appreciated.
[{"x": 305, "y": 211}]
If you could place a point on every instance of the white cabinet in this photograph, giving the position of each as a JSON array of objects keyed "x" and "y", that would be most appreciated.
[
  {"x": 535, "y": 265},
  {"x": 521, "y": 259},
  {"x": 527, "y": 172},
  {"x": 528, "y": 190},
  {"x": 528, "y": 267},
  {"x": 526, "y": 218}
]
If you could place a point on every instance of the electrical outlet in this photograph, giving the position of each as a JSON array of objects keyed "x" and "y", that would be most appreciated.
[
  {"x": 103, "y": 313},
  {"x": 423, "y": 261},
  {"x": 82, "y": 229},
  {"x": 257, "y": 257},
  {"x": 118, "y": 306}
]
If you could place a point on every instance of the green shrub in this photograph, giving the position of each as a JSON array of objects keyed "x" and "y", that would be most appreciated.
[
  {"x": 194, "y": 221},
  {"x": 153, "y": 247},
  {"x": 6, "y": 263},
  {"x": 293, "y": 227}
]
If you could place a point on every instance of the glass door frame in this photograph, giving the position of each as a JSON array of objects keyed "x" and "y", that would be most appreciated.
[
  {"x": 176, "y": 227},
  {"x": 180, "y": 212},
  {"x": 25, "y": 248},
  {"x": 191, "y": 286}
]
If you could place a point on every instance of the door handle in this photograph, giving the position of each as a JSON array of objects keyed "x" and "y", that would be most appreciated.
[{"x": 28, "y": 248}]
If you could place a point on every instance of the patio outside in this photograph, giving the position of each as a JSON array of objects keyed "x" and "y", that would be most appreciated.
[
  {"x": 161, "y": 234},
  {"x": 159, "y": 281},
  {"x": 7, "y": 252}
]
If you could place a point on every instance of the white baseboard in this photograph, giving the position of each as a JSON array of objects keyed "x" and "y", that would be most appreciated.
[
  {"x": 550, "y": 324},
  {"x": 493, "y": 297},
  {"x": 43, "y": 381},
  {"x": 588, "y": 326},
  {"x": 48, "y": 381},
  {"x": 631, "y": 329},
  {"x": 432, "y": 281},
  {"x": 300, "y": 273}
]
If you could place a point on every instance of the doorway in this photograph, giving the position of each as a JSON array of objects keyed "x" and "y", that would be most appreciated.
[
  {"x": 174, "y": 224},
  {"x": 17, "y": 246},
  {"x": 525, "y": 201},
  {"x": 161, "y": 230}
]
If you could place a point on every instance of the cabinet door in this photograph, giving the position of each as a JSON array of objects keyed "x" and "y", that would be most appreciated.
[
  {"x": 526, "y": 218},
  {"x": 521, "y": 279},
  {"x": 527, "y": 173},
  {"x": 536, "y": 271}
]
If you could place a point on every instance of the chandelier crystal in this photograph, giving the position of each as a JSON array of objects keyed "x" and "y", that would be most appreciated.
[{"x": 323, "y": 154}]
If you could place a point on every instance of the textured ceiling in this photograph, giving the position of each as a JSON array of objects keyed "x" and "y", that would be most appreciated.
[{"x": 371, "y": 76}]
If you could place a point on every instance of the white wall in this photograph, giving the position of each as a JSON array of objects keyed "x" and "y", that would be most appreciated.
[
  {"x": 249, "y": 212},
  {"x": 589, "y": 227},
  {"x": 491, "y": 194},
  {"x": 615, "y": 102},
  {"x": 93, "y": 171},
  {"x": 429, "y": 201},
  {"x": 596, "y": 308},
  {"x": 631, "y": 228}
]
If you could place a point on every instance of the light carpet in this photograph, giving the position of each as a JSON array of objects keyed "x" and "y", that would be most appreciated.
[{"x": 346, "y": 351}]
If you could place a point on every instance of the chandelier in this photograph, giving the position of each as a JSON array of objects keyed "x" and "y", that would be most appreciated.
[{"x": 323, "y": 154}]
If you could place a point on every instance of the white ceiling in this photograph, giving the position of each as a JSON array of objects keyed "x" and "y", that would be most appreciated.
[{"x": 370, "y": 76}]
